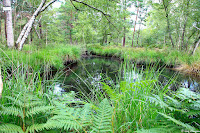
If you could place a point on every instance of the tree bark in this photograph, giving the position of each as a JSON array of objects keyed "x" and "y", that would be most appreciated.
[
  {"x": 1, "y": 84},
  {"x": 71, "y": 26},
  {"x": 183, "y": 34},
  {"x": 168, "y": 23},
  {"x": 9, "y": 27},
  {"x": 138, "y": 36},
  {"x": 196, "y": 44},
  {"x": 27, "y": 28},
  {"x": 135, "y": 24},
  {"x": 184, "y": 27},
  {"x": 124, "y": 38}
]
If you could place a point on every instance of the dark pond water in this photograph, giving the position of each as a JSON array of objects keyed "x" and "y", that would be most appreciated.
[{"x": 92, "y": 70}]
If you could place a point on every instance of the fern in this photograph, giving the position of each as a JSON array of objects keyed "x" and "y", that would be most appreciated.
[
  {"x": 69, "y": 118},
  {"x": 102, "y": 118},
  {"x": 10, "y": 128},
  {"x": 24, "y": 107},
  {"x": 35, "y": 127},
  {"x": 182, "y": 108},
  {"x": 37, "y": 110},
  {"x": 188, "y": 127}
]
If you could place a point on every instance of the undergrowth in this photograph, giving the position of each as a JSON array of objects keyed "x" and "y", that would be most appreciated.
[
  {"x": 36, "y": 57},
  {"x": 150, "y": 55},
  {"x": 137, "y": 102}
]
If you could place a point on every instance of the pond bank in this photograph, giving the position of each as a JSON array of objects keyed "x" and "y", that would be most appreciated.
[
  {"x": 176, "y": 60},
  {"x": 34, "y": 57}
]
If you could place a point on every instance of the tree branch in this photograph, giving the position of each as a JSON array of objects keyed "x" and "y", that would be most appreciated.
[
  {"x": 97, "y": 10},
  {"x": 47, "y": 5},
  {"x": 92, "y": 7},
  {"x": 196, "y": 27},
  {"x": 74, "y": 6}
]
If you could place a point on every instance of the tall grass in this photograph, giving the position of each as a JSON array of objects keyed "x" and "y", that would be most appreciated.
[
  {"x": 36, "y": 57},
  {"x": 137, "y": 102},
  {"x": 150, "y": 55}
]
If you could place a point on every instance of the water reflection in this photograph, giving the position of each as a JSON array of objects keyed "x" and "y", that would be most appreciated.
[{"x": 92, "y": 70}]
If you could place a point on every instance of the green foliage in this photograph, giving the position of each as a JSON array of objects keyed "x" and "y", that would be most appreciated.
[
  {"x": 182, "y": 108},
  {"x": 102, "y": 117},
  {"x": 81, "y": 116},
  {"x": 52, "y": 55},
  {"x": 148, "y": 55},
  {"x": 25, "y": 107}
]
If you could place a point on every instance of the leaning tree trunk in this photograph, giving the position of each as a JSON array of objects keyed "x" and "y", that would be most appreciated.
[
  {"x": 8, "y": 20},
  {"x": 27, "y": 28},
  {"x": 196, "y": 44}
]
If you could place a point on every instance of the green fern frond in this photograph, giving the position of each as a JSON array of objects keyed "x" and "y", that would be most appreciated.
[
  {"x": 65, "y": 124},
  {"x": 35, "y": 103},
  {"x": 188, "y": 127},
  {"x": 38, "y": 109},
  {"x": 102, "y": 118},
  {"x": 11, "y": 111},
  {"x": 15, "y": 101},
  {"x": 158, "y": 101},
  {"x": 68, "y": 118},
  {"x": 10, "y": 128},
  {"x": 35, "y": 127},
  {"x": 185, "y": 94}
]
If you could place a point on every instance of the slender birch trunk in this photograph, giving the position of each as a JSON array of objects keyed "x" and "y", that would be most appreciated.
[
  {"x": 196, "y": 44},
  {"x": 1, "y": 84},
  {"x": 8, "y": 21},
  {"x": 27, "y": 28}
]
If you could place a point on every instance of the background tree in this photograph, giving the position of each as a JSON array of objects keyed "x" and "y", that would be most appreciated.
[{"x": 9, "y": 24}]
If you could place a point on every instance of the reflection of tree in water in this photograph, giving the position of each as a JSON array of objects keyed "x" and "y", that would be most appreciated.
[
  {"x": 90, "y": 71},
  {"x": 180, "y": 80}
]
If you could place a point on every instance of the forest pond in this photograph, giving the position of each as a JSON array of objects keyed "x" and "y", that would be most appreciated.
[{"x": 91, "y": 70}]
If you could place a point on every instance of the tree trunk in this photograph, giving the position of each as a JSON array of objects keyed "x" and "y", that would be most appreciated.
[
  {"x": 168, "y": 23},
  {"x": 124, "y": 38},
  {"x": 0, "y": 22},
  {"x": 196, "y": 44},
  {"x": 183, "y": 34},
  {"x": 138, "y": 36},
  {"x": 9, "y": 27},
  {"x": 46, "y": 37},
  {"x": 135, "y": 24},
  {"x": 40, "y": 27},
  {"x": 184, "y": 27},
  {"x": 27, "y": 28},
  {"x": 1, "y": 84}
]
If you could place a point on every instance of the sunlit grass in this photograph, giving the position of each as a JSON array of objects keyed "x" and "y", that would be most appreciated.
[
  {"x": 165, "y": 56},
  {"x": 54, "y": 55}
]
